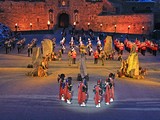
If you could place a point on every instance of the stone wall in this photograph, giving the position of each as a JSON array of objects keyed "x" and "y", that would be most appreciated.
[
  {"x": 37, "y": 13},
  {"x": 122, "y": 22}
]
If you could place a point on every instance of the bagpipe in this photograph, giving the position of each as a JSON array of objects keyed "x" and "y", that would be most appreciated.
[
  {"x": 100, "y": 91},
  {"x": 110, "y": 82},
  {"x": 112, "y": 75},
  {"x": 84, "y": 89},
  {"x": 21, "y": 42},
  {"x": 63, "y": 82},
  {"x": 69, "y": 81}
]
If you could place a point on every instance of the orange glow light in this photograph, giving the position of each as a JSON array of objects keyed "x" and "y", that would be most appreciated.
[
  {"x": 129, "y": 27},
  {"x": 48, "y": 23}
]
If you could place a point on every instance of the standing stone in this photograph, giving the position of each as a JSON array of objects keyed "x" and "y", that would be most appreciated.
[
  {"x": 36, "y": 57},
  {"x": 133, "y": 63},
  {"x": 47, "y": 46},
  {"x": 108, "y": 45}
]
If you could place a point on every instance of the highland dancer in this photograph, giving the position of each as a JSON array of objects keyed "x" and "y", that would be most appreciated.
[{"x": 98, "y": 94}]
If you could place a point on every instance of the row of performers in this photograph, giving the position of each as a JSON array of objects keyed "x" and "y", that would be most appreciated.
[
  {"x": 65, "y": 90},
  {"x": 11, "y": 44},
  {"x": 89, "y": 47},
  {"x": 72, "y": 56},
  {"x": 81, "y": 43},
  {"x": 141, "y": 46}
]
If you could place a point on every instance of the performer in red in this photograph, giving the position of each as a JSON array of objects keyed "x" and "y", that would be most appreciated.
[
  {"x": 121, "y": 48},
  {"x": 68, "y": 90},
  {"x": 82, "y": 93},
  {"x": 143, "y": 48},
  {"x": 107, "y": 92},
  {"x": 116, "y": 41},
  {"x": 111, "y": 83},
  {"x": 98, "y": 94},
  {"x": 155, "y": 49},
  {"x": 96, "y": 56},
  {"x": 61, "y": 86},
  {"x": 74, "y": 55}
]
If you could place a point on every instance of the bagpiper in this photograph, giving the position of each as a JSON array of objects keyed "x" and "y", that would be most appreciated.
[
  {"x": 61, "y": 81},
  {"x": 98, "y": 94},
  {"x": 68, "y": 90},
  {"x": 82, "y": 93},
  {"x": 107, "y": 92},
  {"x": 112, "y": 85}
]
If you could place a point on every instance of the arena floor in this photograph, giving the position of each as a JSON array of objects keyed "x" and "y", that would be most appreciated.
[{"x": 36, "y": 98}]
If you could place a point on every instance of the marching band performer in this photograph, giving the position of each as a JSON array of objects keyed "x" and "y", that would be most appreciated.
[
  {"x": 62, "y": 44},
  {"x": 107, "y": 92},
  {"x": 96, "y": 56},
  {"x": 143, "y": 48},
  {"x": 68, "y": 90},
  {"x": 74, "y": 56},
  {"x": 89, "y": 46},
  {"x": 71, "y": 43},
  {"x": 61, "y": 82},
  {"x": 99, "y": 44},
  {"x": 98, "y": 94},
  {"x": 82, "y": 93},
  {"x": 111, "y": 83}
]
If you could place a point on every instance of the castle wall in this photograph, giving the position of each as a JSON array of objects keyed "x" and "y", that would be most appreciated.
[
  {"x": 135, "y": 21},
  {"x": 37, "y": 13}
]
